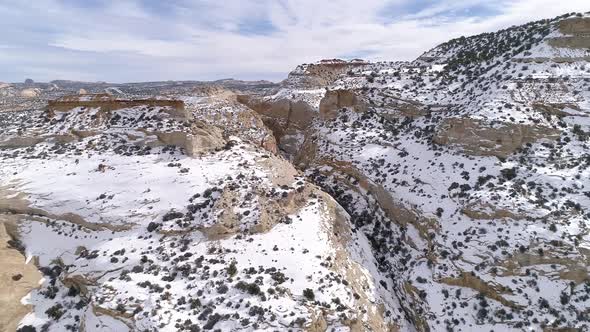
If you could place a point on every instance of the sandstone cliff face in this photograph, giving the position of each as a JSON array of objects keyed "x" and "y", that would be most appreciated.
[
  {"x": 287, "y": 119},
  {"x": 577, "y": 31},
  {"x": 17, "y": 278},
  {"x": 577, "y": 42},
  {"x": 291, "y": 113},
  {"x": 477, "y": 138},
  {"x": 130, "y": 227},
  {"x": 320, "y": 74},
  {"x": 199, "y": 139},
  {"x": 291, "y": 121},
  {"x": 575, "y": 26},
  {"x": 335, "y": 100},
  {"x": 220, "y": 107},
  {"x": 107, "y": 103}
]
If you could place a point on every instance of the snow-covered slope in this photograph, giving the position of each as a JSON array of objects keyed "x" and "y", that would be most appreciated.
[
  {"x": 467, "y": 171},
  {"x": 131, "y": 233}
]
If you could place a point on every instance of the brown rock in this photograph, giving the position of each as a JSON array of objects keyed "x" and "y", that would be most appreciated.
[
  {"x": 578, "y": 29},
  {"x": 494, "y": 292},
  {"x": 478, "y": 138},
  {"x": 295, "y": 113},
  {"x": 241, "y": 121},
  {"x": 200, "y": 139},
  {"x": 108, "y": 103},
  {"x": 570, "y": 42},
  {"x": 554, "y": 108},
  {"x": 320, "y": 74},
  {"x": 287, "y": 120},
  {"x": 335, "y": 100},
  {"x": 575, "y": 26},
  {"x": 17, "y": 279},
  {"x": 486, "y": 211},
  {"x": 571, "y": 265}
]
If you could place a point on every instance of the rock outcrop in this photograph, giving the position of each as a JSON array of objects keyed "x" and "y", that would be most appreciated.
[
  {"x": 29, "y": 93},
  {"x": 17, "y": 277},
  {"x": 287, "y": 119},
  {"x": 476, "y": 137},
  {"x": 320, "y": 74},
  {"x": 195, "y": 136},
  {"x": 107, "y": 103},
  {"x": 221, "y": 108},
  {"x": 199, "y": 139},
  {"x": 285, "y": 111},
  {"x": 335, "y": 100},
  {"x": 557, "y": 109},
  {"x": 577, "y": 31}
]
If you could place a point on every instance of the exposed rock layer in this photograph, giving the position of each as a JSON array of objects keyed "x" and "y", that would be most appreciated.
[
  {"x": 17, "y": 278},
  {"x": 478, "y": 138}
]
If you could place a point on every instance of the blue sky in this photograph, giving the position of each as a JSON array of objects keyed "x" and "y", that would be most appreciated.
[{"x": 142, "y": 40}]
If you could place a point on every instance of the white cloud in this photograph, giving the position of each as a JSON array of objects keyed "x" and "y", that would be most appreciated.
[{"x": 203, "y": 39}]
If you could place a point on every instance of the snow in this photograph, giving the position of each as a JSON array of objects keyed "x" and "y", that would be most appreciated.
[{"x": 415, "y": 213}]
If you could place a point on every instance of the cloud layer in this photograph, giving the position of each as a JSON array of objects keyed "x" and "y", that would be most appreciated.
[{"x": 140, "y": 40}]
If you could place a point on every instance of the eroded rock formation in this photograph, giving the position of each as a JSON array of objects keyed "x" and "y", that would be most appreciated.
[
  {"x": 577, "y": 31},
  {"x": 478, "y": 138},
  {"x": 17, "y": 277},
  {"x": 335, "y": 100}
]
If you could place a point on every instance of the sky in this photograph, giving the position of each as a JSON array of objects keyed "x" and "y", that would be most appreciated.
[{"x": 150, "y": 40}]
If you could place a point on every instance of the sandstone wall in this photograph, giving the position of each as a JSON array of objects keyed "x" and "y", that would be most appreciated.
[
  {"x": 110, "y": 105},
  {"x": 578, "y": 30},
  {"x": 478, "y": 138},
  {"x": 321, "y": 74},
  {"x": 17, "y": 279},
  {"x": 335, "y": 100},
  {"x": 288, "y": 120}
]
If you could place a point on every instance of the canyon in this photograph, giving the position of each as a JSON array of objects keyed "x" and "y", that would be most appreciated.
[{"x": 444, "y": 193}]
